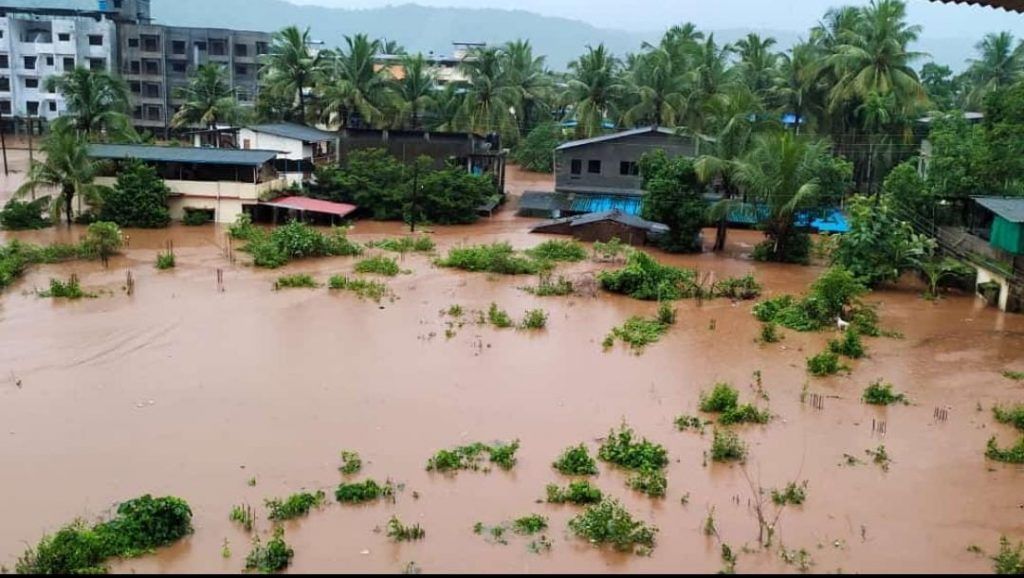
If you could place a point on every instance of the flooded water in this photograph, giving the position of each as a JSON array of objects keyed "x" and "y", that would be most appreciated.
[{"x": 183, "y": 390}]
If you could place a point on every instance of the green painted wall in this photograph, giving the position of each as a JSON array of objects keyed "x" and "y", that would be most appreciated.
[{"x": 1008, "y": 236}]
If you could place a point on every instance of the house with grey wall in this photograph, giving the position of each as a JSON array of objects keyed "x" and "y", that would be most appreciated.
[{"x": 610, "y": 164}]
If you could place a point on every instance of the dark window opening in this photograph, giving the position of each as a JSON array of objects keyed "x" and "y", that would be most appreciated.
[
  {"x": 49, "y": 61},
  {"x": 30, "y": 63},
  {"x": 33, "y": 108},
  {"x": 154, "y": 112},
  {"x": 95, "y": 40},
  {"x": 241, "y": 50},
  {"x": 218, "y": 48},
  {"x": 151, "y": 66},
  {"x": 152, "y": 90},
  {"x": 262, "y": 48},
  {"x": 594, "y": 167},
  {"x": 5, "y": 61},
  {"x": 97, "y": 64},
  {"x": 135, "y": 67},
  {"x": 31, "y": 83},
  {"x": 178, "y": 47},
  {"x": 5, "y": 106},
  {"x": 64, "y": 37},
  {"x": 576, "y": 167},
  {"x": 151, "y": 43},
  {"x": 53, "y": 106},
  {"x": 136, "y": 87},
  {"x": 5, "y": 84},
  {"x": 69, "y": 63},
  {"x": 629, "y": 169},
  {"x": 178, "y": 67},
  {"x": 133, "y": 43},
  {"x": 241, "y": 69}
]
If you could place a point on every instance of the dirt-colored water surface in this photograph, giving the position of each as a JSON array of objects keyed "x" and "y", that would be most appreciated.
[{"x": 183, "y": 390}]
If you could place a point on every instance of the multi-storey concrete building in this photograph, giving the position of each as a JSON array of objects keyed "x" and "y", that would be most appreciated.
[
  {"x": 40, "y": 38},
  {"x": 156, "y": 60}
]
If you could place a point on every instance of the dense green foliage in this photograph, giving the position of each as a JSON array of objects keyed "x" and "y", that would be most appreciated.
[
  {"x": 637, "y": 332},
  {"x": 644, "y": 278},
  {"x": 102, "y": 240},
  {"x": 358, "y": 493},
  {"x": 882, "y": 393},
  {"x": 297, "y": 281},
  {"x": 378, "y": 265},
  {"x": 792, "y": 494},
  {"x": 498, "y": 258},
  {"x": 140, "y": 526},
  {"x": 70, "y": 289},
  {"x": 1011, "y": 455},
  {"x": 271, "y": 558},
  {"x": 879, "y": 246},
  {"x": 576, "y": 461},
  {"x": 570, "y": 251},
  {"x": 646, "y": 460},
  {"x": 294, "y": 241},
  {"x": 295, "y": 505},
  {"x": 1010, "y": 559},
  {"x": 580, "y": 493},
  {"x": 468, "y": 457},
  {"x": 824, "y": 364},
  {"x": 138, "y": 199},
  {"x": 726, "y": 446},
  {"x": 196, "y": 217},
  {"x": 534, "y": 319},
  {"x": 609, "y": 523},
  {"x": 850, "y": 345},
  {"x": 673, "y": 198},
  {"x": 536, "y": 152},
  {"x": 24, "y": 215},
  {"x": 830, "y": 295},
  {"x": 724, "y": 399}
]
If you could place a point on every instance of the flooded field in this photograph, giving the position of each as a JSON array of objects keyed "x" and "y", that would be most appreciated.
[{"x": 184, "y": 390}]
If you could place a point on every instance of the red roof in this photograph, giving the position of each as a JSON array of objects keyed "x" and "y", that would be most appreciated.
[{"x": 312, "y": 205}]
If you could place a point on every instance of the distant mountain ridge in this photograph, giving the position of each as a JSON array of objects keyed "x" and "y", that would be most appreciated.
[{"x": 426, "y": 29}]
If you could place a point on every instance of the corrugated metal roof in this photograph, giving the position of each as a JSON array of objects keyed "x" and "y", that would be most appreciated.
[
  {"x": 618, "y": 217},
  {"x": 200, "y": 156},
  {"x": 295, "y": 131},
  {"x": 70, "y": 5},
  {"x": 1011, "y": 5},
  {"x": 617, "y": 136},
  {"x": 312, "y": 205},
  {"x": 544, "y": 201},
  {"x": 1009, "y": 208}
]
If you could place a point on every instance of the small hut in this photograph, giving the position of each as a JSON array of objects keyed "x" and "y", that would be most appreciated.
[{"x": 604, "y": 227}]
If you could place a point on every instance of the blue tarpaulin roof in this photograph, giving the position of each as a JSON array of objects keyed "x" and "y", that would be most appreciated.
[{"x": 630, "y": 205}]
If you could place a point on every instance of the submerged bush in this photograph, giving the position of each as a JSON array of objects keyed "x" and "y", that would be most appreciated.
[
  {"x": 882, "y": 393},
  {"x": 1012, "y": 455},
  {"x": 404, "y": 245},
  {"x": 299, "y": 281},
  {"x": 498, "y": 258},
  {"x": 529, "y": 525},
  {"x": 791, "y": 494},
  {"x": 351, "y": 463},
  {"x": 609, "y": 523},
  {"x": 20, "y": 216},
  {"x": 548, "y": 288},
  {"x": 638, "y": 333},
  {"x": 576, "y": 461},
  {"x": 399, "y": 532},
  {"x": 468, "y": 457},
  {"x": 826, "y": 300},
  {"x": 645, "y": 279},
  {"x": 272, "y": 558},
  {"x": 379, "y": 265},
  {"x": 294, "y": 506},
  {"x": 770, "y": 333},
  {"x": 534, "y": 319},
  {"x": 624, "y": 450},
  {"x": 726, "y": 446},
  {"x": 297, "y": 240},
  {"x": 165, "y": 261},
  {"x": 140, "y": 526},
  {"x": 242, "y": 228},
  {"x": 358, "y": 493},
  {"x": 650, "y": 481},
  {"x": 570, "y": 251},
  {"x": 579, "y": 493},
  {"x": 1013, "y": 415},
  {"x": 1010, "y": 559},
  {"x": 723, "y": 397},
  {"x": 70, "y": 289},
  {"x": 364, "y": 289},
  {"x": 849, "y": 346},
  {"x": 498, "y": 317},
  {"x": 824, "y": 364}
]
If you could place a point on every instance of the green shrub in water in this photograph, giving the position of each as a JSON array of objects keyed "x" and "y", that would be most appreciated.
[
  {"x": 645, "y": 279},
  {"x": 1011, "y": 455},
  {"x": 299, "y": 281},
  {"x": 726, "y": 446},
  {"x": 404, "y": 245},
  {"x": 358, "y": 493},
  {"x": 165, "y": 261},
  {"x": 638, "y": 333},
  {"x": 850, "y": 345},
  {"x": 1010, "y": 559},
  {"x": 399, "y": 532},
  {"x": 468, "y": 457},
  {"x": 723, "y": 397},
  {"x": 351, "y": 463},
  {"x": 274, "y": 557},
  {"x": 379, "y": 265},
  {"x": 579, "y": 493},
  {"x": 792, "y": 494},
  {"x": 882, "y": 393},
  {"x": 569, "y": 251},
  {"x": 529, "y": 525},
  {"x": 610, "y": 523},
  {"x": 535, "y": 319},
  {"x": 495, "y": 258},
  {"x": 498, "y": 317},
  {"x": 824, "y": 364},
  {"x": 576, "y": 461},
  {"x": 364, "y": 289},
  {"x": 294, "y": 506},
  {"x": 624, "y": 450}
]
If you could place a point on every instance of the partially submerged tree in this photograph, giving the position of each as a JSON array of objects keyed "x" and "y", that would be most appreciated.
[{"x": 67, "y": 167}]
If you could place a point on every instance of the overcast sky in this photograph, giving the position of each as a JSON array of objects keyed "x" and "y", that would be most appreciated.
[{"x": 940, "y": 20}]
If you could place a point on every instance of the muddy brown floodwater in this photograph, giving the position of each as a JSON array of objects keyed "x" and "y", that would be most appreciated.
[{"x": 182, "y": 390}]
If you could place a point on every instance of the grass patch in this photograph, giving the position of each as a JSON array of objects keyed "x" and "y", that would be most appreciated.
[
  {"x": 770, "y": 333},
  {"x": 579, "y": 493},
  {"x": 530, "y": 525},
  {"x": 882, "y": 393},
  {"x": 469, "y": 457},
  {"x": 645, "y": 279},
  {"x": 792, "y": 494},
  {"x": 724, "y": 400},
  {"x": 576, "y": 461},
  {"x": 645, "y": 459},
  {"x": 70, "y": 289},
  {"x": 499, "y": 317},
  {"x": 351, "y": 463},
  {"x": 399, "y": 532},
  {"x": 1010, "y": 559},
  {"x": 140, "y": 527},
  {"x": 546, "y": 287},
  {"x": 362, "y": 492},
  {"x": 244, "y": 515},
  {"x": 726, "y": 446},
  {"x": 271, "y": 558},
  {"x": 296, "y": 240},
  {"x": 534, "y": 319},
  {"x": 1014, "y": 375},
  {"x": 294, "y": 506},
  {"x": 165, "y": 261},
  {"x": 609, "y": 523},
  {"x": 567, "y": 251},
  {"x": 1012, "y": 415},
  {"x": 364, "y": 289},
  {"x": 825, "y": 364},
  {"x": 378, "y": 265},
  {"x": 498, "y": 258},
  {"x": 638, "y": 333},
  {"x": 691, "y": 422},
  {"x": 829, "y": 296},
  {"x": 1011, "y": 455},
  {"x": 849, "y": 346},
  {"x": 404, "y": 245},
  {"x": 299, "y": 281}
]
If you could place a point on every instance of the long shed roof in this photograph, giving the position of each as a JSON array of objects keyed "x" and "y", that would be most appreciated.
[
  {"x": 617, "y": 136},
  {"x": 1009, "y": 208},
  {"x": 295, "y": 132},
  {"x": 1011, "y": 5},
  {"x": 194, "y": 155}
]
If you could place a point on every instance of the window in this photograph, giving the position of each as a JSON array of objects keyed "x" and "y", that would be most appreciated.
[
  {"x": 135, "y": 87},
  {"x": 49, "y": 61},
  {"x": 95, "y": 40},
  {"x": 200, "y": 46},
  {"x": 69, "y": 63},
  {"x": 241, "y": 69},
  {"x": 33, "y": 108},
  {"x": 97, "y": 64},
  {"x": 577, "y": 167},
  {"x": 152, "y": 90},
  {"x": 52, "y": 105},
  {"x": 178, "y": 47},
  {"x": 594, "y": 167},
  {"x": 30, "y": 63},
  {"x": 31, "y": 83},
  {"x": 5, "y": 107},
  {"x": 151, "y": 43},
  {"x": 64, "y": 37},
  {"x": 137, "y": 113},
  {"x": 154, "y": 112},
  {"x": 179, "y": 66},
  {"x": 151, "y": 67},
  {"x": 218, "y": 48},
  {"x": 133, "y": 43},
  {"x": 243, "y": 95},
  {"x": 135, "y": 67},
  {"x": 5, "y": 61},
  {"x": 629, "y": 169},
  {"x": 241, "y": 50},
  {"x": 262, "y": 48},
  {"x": 5, "y": 84}
]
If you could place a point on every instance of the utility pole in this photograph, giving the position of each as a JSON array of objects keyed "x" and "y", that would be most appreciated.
[
  {"x": 415, "y": 191},
  {"x": 30, "y": 160}
]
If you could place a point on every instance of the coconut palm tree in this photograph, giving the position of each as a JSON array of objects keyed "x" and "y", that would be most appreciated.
[
  {"x": 353, "y": 84},
  {"x": 97, "y": 103},
  {"x": 659, "y": 90},
  {"x": 532, "y": 83},
  {"x": 209, "y": 99},
  {"x": 999, "y": 64},
  {"x": 291, "y": 68},
  {"x": 758, "y": 65},
  {"x": 594, "y": 90},
  {"x": 781, "y": 173},
  {"x": 490, "y": 99},
  {"x": 66, "y": 166},
  {"x": 414, "y": 93},
  {"x": 797, "y": 91},
  {"x": 710, "y": 77}
]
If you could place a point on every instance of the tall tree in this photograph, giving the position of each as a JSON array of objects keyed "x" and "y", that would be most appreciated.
[
  {"x": 710, "y": 77},
  {"x": 97, "y": 103},
  {"x": 1000, "y": 63},
  {"x": 291, "y": 68},
  {"x": 414, "y": 92},
  {"x": 490, "y": 99},
  {"x": 532, "y": 84},
  {"x": 593, "y": 90},
  {"x": 354, "y": 85},
  {"x": 209, "y": 99},
  {"x": 758, "y": 64},
  {"x": 659, "y": 90},
  {"x": 66, "y": 166}
]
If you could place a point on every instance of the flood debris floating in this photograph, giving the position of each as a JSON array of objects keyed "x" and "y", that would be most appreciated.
[
  {"x": 879, "y": 427},
  {"x": 129, "y": 282},
  {"x": 941, "y": 414}
]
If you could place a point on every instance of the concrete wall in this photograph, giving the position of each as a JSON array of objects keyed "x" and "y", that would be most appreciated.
[
  {"x": 985, "y": 275},
  {"x": 225, "y": 198},
  {"x": 611, "y": 154}
]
